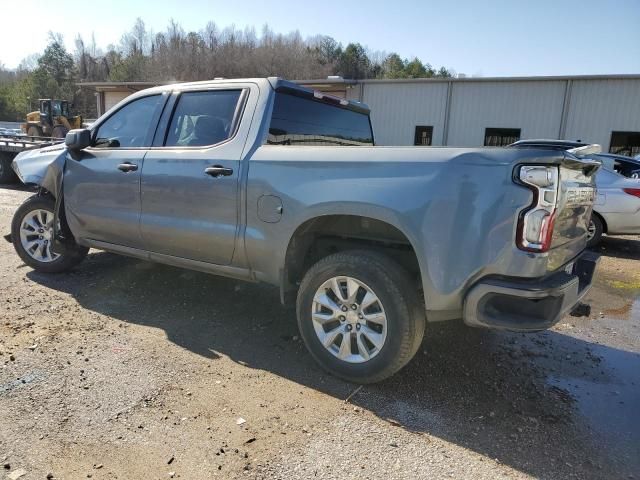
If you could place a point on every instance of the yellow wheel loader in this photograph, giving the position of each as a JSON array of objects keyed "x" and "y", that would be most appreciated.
[{"x": 52, "y": 120}]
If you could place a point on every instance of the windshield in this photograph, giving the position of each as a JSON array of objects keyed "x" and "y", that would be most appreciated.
[
  {"x": 627, "y": 167},
  {"x": 56, "y": 109}
]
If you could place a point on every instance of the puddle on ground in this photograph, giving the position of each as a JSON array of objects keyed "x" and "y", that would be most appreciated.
[
  {"x": 609, "y": 403},
  {"x": 630, "y": 312}
]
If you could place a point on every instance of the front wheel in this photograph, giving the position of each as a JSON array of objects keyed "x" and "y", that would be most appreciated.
[
  {"x": 34, "y": 131},
  {"x": 360, "y": 316},
  {"x": 32, "y": 235}
]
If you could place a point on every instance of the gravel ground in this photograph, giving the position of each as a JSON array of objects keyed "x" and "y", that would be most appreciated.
[{"x": 127, "y": 369}]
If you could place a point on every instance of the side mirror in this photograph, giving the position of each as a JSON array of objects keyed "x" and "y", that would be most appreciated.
[{"x": 78, "y": 139}]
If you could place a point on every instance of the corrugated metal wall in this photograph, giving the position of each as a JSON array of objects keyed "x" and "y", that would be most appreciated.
[
  {"x": 598, "y": 107},
  {"x": 396, "y": 109},
  {"x": 533, "y": 107},
  {"x": 594, "y": 108}
]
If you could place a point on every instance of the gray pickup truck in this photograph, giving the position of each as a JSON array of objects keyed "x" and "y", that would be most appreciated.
[{"x": 264, "y": 180}]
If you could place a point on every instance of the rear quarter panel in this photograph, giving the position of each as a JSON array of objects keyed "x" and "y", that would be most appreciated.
[{"x": 457, "y": 207}]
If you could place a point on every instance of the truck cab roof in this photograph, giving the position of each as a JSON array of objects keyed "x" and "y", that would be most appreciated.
[{"x": 277, "y": 84}]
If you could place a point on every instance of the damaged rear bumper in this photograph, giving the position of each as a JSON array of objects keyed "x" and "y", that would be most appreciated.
[{"x": 529, "y": 304}]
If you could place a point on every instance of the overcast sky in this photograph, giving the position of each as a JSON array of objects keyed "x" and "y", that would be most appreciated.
[{"x": 489, "y": 38}]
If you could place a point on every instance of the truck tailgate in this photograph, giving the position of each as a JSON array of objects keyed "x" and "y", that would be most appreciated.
[{"x": 576, "y": 194}]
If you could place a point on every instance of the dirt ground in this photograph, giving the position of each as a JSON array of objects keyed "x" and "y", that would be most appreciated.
[{"x": 130, "y": 370}]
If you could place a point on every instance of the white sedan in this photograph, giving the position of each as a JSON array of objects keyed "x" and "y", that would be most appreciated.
[{"x": 617, "y": 207}]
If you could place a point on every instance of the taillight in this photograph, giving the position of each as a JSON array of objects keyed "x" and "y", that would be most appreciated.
[
  {"x": 632, "y": 191},
  {"x": 535, "y": 227}
]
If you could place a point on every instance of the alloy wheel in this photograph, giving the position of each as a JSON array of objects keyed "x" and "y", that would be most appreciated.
[
  {"x": 349, "y": 319},
  {"x": 36, "y": 235}
]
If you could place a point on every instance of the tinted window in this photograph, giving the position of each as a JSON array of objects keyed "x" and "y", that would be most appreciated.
[
  {"x": 423, "y": 135},
  {"x": 297, "y": 120},
  {"x": 625, "y": 143},
  {"x": 203, "y": 118},
  {"x": 627, "y": 169},
  {"x": 129, "y": 126},
  {"x": 500, "y": 137}
]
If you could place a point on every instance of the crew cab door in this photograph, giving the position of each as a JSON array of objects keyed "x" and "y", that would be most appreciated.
[
  {"x": 190, "y": 179},
  {"x": 102, "y": 184}
]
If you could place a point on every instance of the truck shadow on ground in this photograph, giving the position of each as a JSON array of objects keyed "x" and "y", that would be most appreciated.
[
  {"x": 501, "y": 395},
  {"x": 620, "y": 247}
]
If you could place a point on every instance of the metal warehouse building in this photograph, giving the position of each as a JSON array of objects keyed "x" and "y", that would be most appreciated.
[
  {"x": 603, "y": 109},
  {"x": 497, "y": 111}
]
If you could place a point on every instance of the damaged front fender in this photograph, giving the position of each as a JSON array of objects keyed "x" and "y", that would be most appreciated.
[{"x": 43, "y": 167}]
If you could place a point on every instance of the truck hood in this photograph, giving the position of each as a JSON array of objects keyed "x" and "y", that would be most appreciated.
[{"x": 43, "y": 167}]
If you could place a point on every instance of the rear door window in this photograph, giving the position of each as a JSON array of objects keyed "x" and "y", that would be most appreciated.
[
  {"x": 297, "y": 120},
  {"x": 627, "y": 169},
  {"x": 203, "y": 118},
  {"x": 130, "y": 126}
]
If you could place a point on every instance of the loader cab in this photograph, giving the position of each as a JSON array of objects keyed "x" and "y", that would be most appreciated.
[
  {"x": 50, "y": 109},
  {"x": 45, "y": 111}
]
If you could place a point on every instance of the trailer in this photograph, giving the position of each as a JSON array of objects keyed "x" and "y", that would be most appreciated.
[{"x": 12, "y": 145}]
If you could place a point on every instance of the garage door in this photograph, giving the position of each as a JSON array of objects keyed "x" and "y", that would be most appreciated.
[{"x": 111, "y": 98}]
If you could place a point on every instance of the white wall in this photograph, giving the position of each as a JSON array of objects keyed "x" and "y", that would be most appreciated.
[{"x": 598, "y": 107}]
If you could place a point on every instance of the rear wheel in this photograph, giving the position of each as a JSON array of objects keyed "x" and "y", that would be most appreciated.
[
  {"x": 359, "y": 315},
  {"x": 59, "y": 131},
  {"x": 594, "y": 231},
  {"x": 32, "y": 235}
]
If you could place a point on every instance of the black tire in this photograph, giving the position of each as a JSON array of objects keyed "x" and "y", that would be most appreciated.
[
  {"x": 598, "y": 229},
  {"x": 59, "y": 132},
  {"x": 34, "y": 131},
  {"x": 399, "y": 297},
  {"x": 7, "y": 175},
  {"x": 74, "y": 255}
]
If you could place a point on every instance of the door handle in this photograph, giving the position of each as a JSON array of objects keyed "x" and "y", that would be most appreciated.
[
  {"x": 127, "y": 167},
  {"x": 218, "y": 171}
]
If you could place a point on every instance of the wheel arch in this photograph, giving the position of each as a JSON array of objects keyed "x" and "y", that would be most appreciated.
[
  {"x": 322, "y": 235},
  {"x": 70, "y": 254},
  {"x": 605, "y": 228}
]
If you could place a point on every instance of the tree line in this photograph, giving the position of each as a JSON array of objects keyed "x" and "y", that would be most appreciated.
[{"x": 177, "y": 55}]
